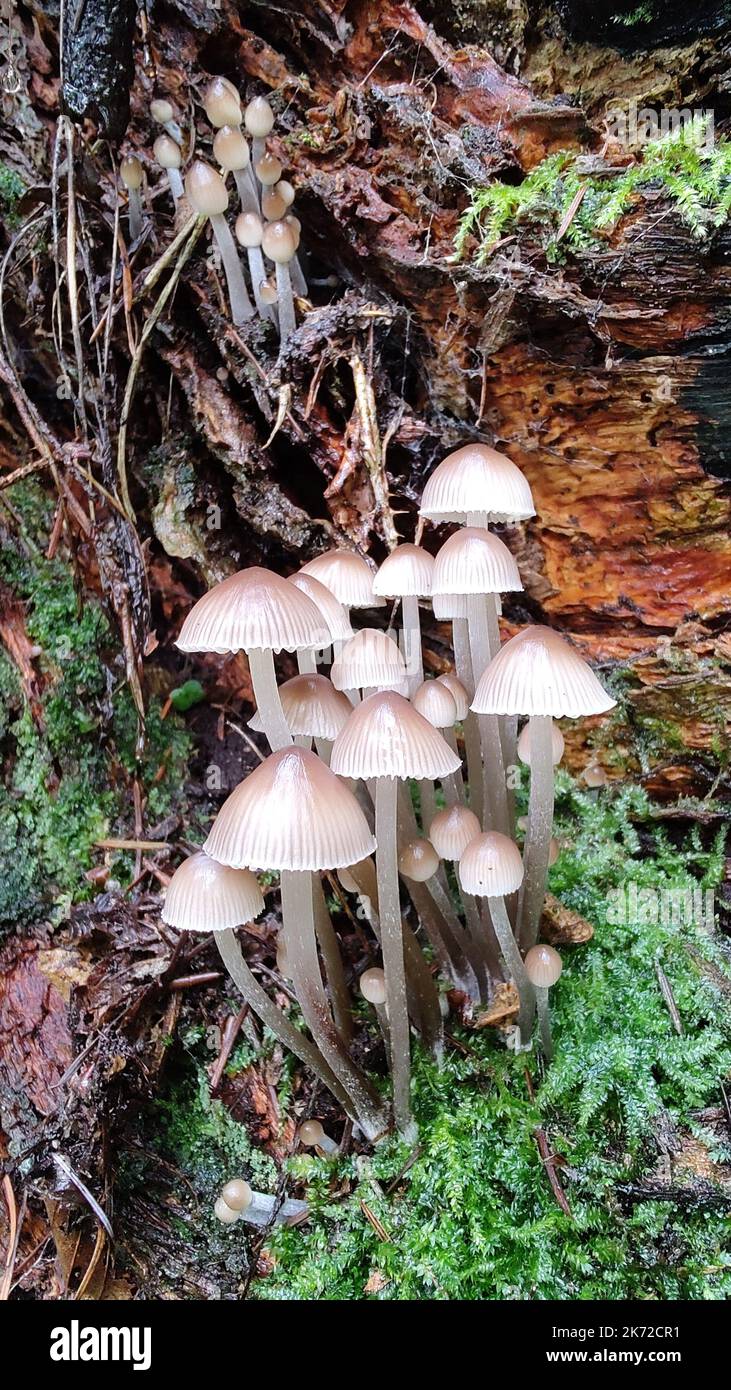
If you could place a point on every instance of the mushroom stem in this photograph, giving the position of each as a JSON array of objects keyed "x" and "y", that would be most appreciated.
[
  {"x": 411, "y": 642},
  {"x": 454, "y": 783},
  {"x": 514, "y": 961},
  {"x": 364, "y": 1105},
  {"x": 299, "y": 284},
  {"x": 287, "y": 321},
  {"x": 393, "y": 951},
  {"x": 332, "y": 961},
  {"x": 241, "y": 306},
  {"x": 258, "y": 150},
  {"x": 473, "y": 753},
  {"x": 175, "y": 183},
  {"x": 135, "y": 213},
  {"x": 248, "y": 194},
  {"x": 538, "y": 835},
  {"x": 266, "y": 695},
  {"x": 493, "y": 768},
  {"x": 427, "y": 797},
  {"x": 544, "y": 1023},
  {"x": 272, "y": 1017},
  {"x": 258, "y": 275}
]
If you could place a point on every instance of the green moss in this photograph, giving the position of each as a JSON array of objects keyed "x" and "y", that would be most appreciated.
[
  {"x": 697, "y": 180},
  {"x": 12, "y": 189}
]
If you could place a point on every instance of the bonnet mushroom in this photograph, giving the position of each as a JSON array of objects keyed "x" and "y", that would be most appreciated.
[
  {"x": 348, "y": 576},
  {"x": 491, "y": 867},
  {"x": 313, "y": 709},
  {"x": 231, "y": 149},
  {"x": 372, "y": 985},
  {"x": 258, "y": 119},
  {"x": 168, "y": 155},
  {"x": 435, "y": 701},
  {"x": 313, "y": 1136},
  {"x": 477, "y": 485},
  {"x": 418, "y": 860},
  {"x": 543, "y": 966},
  {"x": 385, "y": 740},
  {"x": 557, "y": 745},
  {"x": 334, "y": 615},
  {"x": 130, "y": 172},
  {"x": 279, "y": 245},
  {"x": 249, "y": 231},
  {"x": 258, "y": 612},
  {"x": 163, "y": 113},
  {"x": 537, "y": 673},
  {"x": 407, "y": 574},
  {"x": 222, "y": 103},
  {"x": 291, "y": 815},
  {"x": 370, "y": 660},
  {"x": 207, "y": 195}
]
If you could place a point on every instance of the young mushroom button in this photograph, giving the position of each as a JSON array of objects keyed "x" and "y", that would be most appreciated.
[
  {"x": 130, "y": 172},
  {"x": 168, "y": 155},
  {"x": 207, "y": 195},
  {"x": 543, "y": 966},
  {"x": 279, "y": 245}
]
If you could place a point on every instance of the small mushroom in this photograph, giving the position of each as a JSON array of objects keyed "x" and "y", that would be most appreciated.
[
  {"x": 207, "y": 195},
  {"x": 130, "y": 172},
  {"x": 222, "y": 103},
  {"x": 491, "y": 867},
  {"x": 557, "y": 745},
  {"x": 313, "y": 1136},
  {"x": 369, "y": 661},
  {"x": 372, "y": 985},
  {"x": 278, "y": 244},
  {"x": 268, "y": 292},
  {"x": 258, "y": 119},
  {"x": 249, "y": 229},
  {"x": 273, "y": 205},
  {"x": 268, "y": 170},
  {"x": 224, "y": 1212},
  {"x": 543, "y": 967},
  {"x": 299, "y": 284},
  {"x": 231, "y": 149},
  {"x": 418, "y": 860},
  {"x": 286, "y": 192},
  {"x": 406, "y": 574},
  {"x": 168, "y": 155},
  {"x": 163, "y": 113},
  {"x": 237, "y": 1194}
]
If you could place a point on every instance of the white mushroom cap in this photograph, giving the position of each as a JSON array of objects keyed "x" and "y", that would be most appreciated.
[
  {"x": 206, "y": 189},
  {"x": 224, "y": 1212},
  {"x": 162, "y": 110},
  {"x": 436, "y": 703},
  {"x": 237, "y": 1194},
  {"x": 347, "y": 575},
  {"x": 291, "y": 812},
  {"x": 231, "y": 148},
  {"x": 130, "y": 171},
  {"x": 369, "y": 658},
  {"x": 372, "y": 985},
  {"x": 335, "y": 616},
  {"x": 167, "y": 152},
  {"x": 249, "y": 229},
  {"x": 222, "y": 103},
  {"x": 477, "y": 478},
  {"x": 457, "y": 691},
  {"x": 537, "y": 672},
  {"x": 474, "y": 561},
  {"x": 312, "y": 707},
  {"x": 418, "y": 860},
  {"x": 448, "y": 606},
  {"x": 205, "y": 896},
  {"x": 254, "y": 610},
  {"x": 557, "y": 744},
  {"x": 406, "y": 572},
  {"x": 452, "y": 830},
  {"x": 259, "y": 118},
  {"x": 543, "y": 966},
  {"x": 386, "y": 737},
  {"x": 286, "y": 191},
  {"x": 491, "y": 866}
]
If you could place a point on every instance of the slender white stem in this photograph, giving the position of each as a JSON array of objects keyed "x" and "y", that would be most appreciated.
[
  {"x": 514, "y": 961},
  {"x": 258, "y": 274},
  {"x": 246, "y": 189},
  {"x": 135, "y": 213},
  {"x": 306, "y": 664},
  {"x": 176, "y": 185},
  {"x": 258, "y": 150},
  {"x": 299, "y": 284},
  {"x": 454, "y": 783},
  {"x": 495, "y": 790},
  {"x": 544, "y": 1023},
  {"x": 330, "y": 951},
  {"x": 427, "y": 796},
  {"x": 473, "y": 752},
  {"x": 268, "y": 703},
  {"x": 382, "y": 1016},
  {"x": 299, "y": 928},
  {"x": 241, "y": 306},
  {"x": 538, "y": 835},
  {"x": 271, "y": 1016},
  {"x": 285, "y": 304},
  {"x": 411, "y": 642},
  {"x": 173, "y": 129},
  {"x": 393, "y": 951}
]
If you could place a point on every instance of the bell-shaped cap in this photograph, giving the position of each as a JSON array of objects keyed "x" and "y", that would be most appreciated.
[
  {"x": 557, "y": 744},
  {"x": 418, "y": 860},
  {"x": 405, "y": 573},
  {"x": 543, "y": 966},
  {"x": 250, "y": 611},
  {"x": 449, "y": 606},
  {"x": 231, "y": 148},
  {"x": 335, "y": 616},
  {"x": 386, "y": 737},
  {"x": 347, "y": 575},
  {"x": 537, "y": 672},
  {"x": 457, "y": 691},
  {"x": 370, "y": 658},
  {"x": 491, "y": 866},
  {"x": 291, "y": 812},
  {"x": 203, "y": 895},
  {"x": 206, "y": 189},
  {"x": 452, "y": 830},
  {"x": 312, "y": 708},
  {"x": 222, "y": 103},
  {"x": 477, "y": 478},
  {"x": 130, "y": 171},
  {"x": 436, "y": 703},
  {"x": 258, "y": 117},
  {"x": 373, "y": 985},
  {"x": 474, "y": 561},
  {"x": 167, "y": 152}
]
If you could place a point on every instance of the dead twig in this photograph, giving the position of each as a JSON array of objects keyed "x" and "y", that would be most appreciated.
[{"x": 548, "y": 1158}]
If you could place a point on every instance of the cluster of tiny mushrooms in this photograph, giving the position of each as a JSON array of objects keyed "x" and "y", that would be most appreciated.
[
  {"x": 266, "y": 225},
  {"x": 380, "y": 730}
]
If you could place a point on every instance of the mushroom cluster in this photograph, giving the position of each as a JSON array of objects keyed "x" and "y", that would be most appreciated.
[
  {"x": 359, "y": 740},
  {"x": 266, "y": 226}
]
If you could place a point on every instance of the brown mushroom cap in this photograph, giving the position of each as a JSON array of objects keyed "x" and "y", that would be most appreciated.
[
  {"x": 537, "y": 672},
  {"x": 273, "y": 207},
  {"x": 278, "y": 243},
  {"x": 474, "y": 561},
  {"x": 418, "y": 860},
  {"x": 436, "y": 703},
  {"x": 457, "y": 691},
  {"x": 249, "y": 229},
  {"x": 347, "y": 575},
  {"x": 290, "y": 813},
  {"x": 268, "y": 170},
  {"x": 477, "y": 478},
  {"x": 205, "y": 896},
  {"x": 130, "y": 171},
  {"x": 268, "y": 292},
  {"x": 335, "y": 616},
  {"x": 452, "y": 830},
  {"x": 386, "y": 737},
  {"x": 312, "y": 707},
  {"x": 237, "y": 1194},
  {"x": 295, "y": 227},
  {"x": 222, "y": 103},
  {"x": 372, "y": 985},
  {"x": 557, "y": 745},
  {"x": 167, "y": 152},
  {"x": 311, "y": 1134},
  {"x": 253, "y": 610},
  {"x": 231, "y": 148},
  {"x": 259, "y": 118},
  {"x": 543, "y": 966},
  {"x": 369, "y": 658},
  {"x": 206, "y": 189},
  {"x": 491, "y": 866},
  {"x": 406, "y": 572}
]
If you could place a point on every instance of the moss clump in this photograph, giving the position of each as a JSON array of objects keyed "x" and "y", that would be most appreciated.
[
  {"x": 695, "y": 178},
  {"x": 12, "y": 189},
  {"x": 475, "y": 1216}
]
